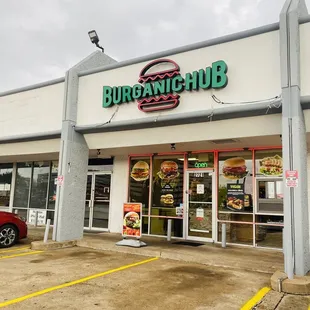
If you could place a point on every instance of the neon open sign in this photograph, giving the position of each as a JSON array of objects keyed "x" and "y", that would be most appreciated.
[{"x": 201, "y": 165}]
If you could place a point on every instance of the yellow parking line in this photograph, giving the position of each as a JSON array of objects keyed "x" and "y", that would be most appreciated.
[
  {"x": 21, "y": 254},
  {"x": 57, "y": 287},
  {"x": 255, "y": 299},
  {"x": 15, "y": 249}
]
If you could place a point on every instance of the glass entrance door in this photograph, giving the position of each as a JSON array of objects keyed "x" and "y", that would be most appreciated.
[
  {"x": 200, "y": 213},
  {"x": 97, "y": 201}
]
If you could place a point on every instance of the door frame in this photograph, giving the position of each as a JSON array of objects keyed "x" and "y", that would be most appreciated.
[
  {"x": 92, "y": 200},
  {"x": 186, "y": 211}
]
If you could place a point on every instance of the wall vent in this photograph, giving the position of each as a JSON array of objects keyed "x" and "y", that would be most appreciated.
[{"x": 224, "y": 141}]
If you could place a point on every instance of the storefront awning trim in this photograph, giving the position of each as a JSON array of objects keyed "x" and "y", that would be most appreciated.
[{"x": 227, "y": 112}]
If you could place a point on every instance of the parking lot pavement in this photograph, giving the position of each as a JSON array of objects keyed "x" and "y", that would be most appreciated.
[{"x": 155, "y": 284}]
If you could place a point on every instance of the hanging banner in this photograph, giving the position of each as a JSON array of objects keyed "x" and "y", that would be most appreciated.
[{"x": 132, "y": 220}]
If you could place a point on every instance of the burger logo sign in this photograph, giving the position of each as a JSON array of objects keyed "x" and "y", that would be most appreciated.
[{"x": 159, "y": 89}]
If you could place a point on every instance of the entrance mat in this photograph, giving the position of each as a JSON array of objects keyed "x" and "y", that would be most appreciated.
[{"x": 188, "y": 243}]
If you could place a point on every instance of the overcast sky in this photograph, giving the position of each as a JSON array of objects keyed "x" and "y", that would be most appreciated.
[{"x": 41, "y": 39}]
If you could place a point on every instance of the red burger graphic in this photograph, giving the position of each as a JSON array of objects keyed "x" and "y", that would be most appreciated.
[{"x": 148, "y": 75}]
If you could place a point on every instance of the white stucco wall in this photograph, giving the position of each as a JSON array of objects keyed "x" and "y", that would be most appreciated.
[
  {"x": 253, "y": 73},
  {"x": 34, "y": 111},
  {"x": 225, "y": 129},
  {"x": 118, "y": 193},
  {"x": 31, "y": 147}
]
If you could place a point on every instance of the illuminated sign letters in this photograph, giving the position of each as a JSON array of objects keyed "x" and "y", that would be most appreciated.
[{"x": 159, "y": 90}]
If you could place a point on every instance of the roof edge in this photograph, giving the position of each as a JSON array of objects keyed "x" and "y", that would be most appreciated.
[
  {"x": 31, "y": 87},
  {"x": 32, "y": 137},
  {"x": 186, "y": 48}
]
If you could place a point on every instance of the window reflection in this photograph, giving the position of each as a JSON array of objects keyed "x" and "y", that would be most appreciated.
[
  {"x": 39, "y": 188},
  {"x": 5, "y": 184},
  {"x": 22, "y": 186}
]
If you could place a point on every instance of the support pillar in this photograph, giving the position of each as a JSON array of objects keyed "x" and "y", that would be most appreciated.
[
  {"x": 73, "y": 158},
  {"x": 296, "y": 215}
]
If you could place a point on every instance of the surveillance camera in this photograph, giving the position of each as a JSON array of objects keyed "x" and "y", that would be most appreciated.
[{"x": 173, "y": 146}]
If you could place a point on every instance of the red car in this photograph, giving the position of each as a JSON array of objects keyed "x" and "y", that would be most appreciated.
[{"x": 12, "y": 229}]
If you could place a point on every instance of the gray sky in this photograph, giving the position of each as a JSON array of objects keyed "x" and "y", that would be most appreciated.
[{"x": 41, "y": 39}]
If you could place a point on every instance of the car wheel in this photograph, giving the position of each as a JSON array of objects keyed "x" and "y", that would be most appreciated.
[{"x": 8, "y": 236}]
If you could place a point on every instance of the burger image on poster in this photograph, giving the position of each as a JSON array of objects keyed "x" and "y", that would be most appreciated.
[
  {"x": 168, "y": 170},
  {"x": 234, "y": 168},
  {"x": 140, "y": 171}
]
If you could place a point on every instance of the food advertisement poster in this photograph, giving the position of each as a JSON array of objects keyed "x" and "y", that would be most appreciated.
[
  {"x": 140, "y": 171},
  {"x": 167, "y": 178},
  {"x": 235, "y": 197},
  {"x": 271, "y": 166},
  {"x": 132, "y": 220},
  {"x": 234, "y": 168}
]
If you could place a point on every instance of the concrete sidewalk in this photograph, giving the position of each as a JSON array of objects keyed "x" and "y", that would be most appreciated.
[
  {"x": 258, "y": 260},
  {"x": 236, "y": 257}
]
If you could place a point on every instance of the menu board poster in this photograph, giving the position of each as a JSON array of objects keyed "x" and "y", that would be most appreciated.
[
  {"x": 168, "y": 183},
  {"x": 269, "y": 166},
  {"x": 132, "y": 220},
  {"x": 235, "y": 197}
]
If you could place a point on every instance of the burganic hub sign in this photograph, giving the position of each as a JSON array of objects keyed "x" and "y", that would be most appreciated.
[{"x": 160, "y": 89}]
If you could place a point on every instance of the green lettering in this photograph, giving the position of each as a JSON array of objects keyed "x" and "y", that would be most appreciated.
[
  {"x": 168, "y": 86},
  {"x": 219, "y": 77},
  {"x": 117, "y": 95},
  {"x": 177, "y": 84},
  {"x": 205, "y": 78},
  {"x": 107, "y": 98},
  {"x": 148, "y": 90},
  {"x": 126, "y": 94},
  {"x": 191, "y": 81},
  {"x": 136, "y": 91},
  {"x": 159, "y": 87}
]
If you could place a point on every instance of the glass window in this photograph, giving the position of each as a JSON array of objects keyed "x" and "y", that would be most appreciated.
[
  {"x": 53, "y": 185},
  {"x": 39, "y": 186},
  {"x": 235, "y": 190},
  {"x": 139, "y": 182},
  {"x": 22, "y": 186},
  {"x": 237, "y": 233},
  {"x": 145, "y": 223},
  {"x": 159, "y": 227},
  {"x": 200, "y": 161},
  {"x": 269, "y": 163},
  {"x": 22, "y": 213},
  {"x": 269, "y": 236},
  {"x": 167, "y": 185},
  {"x": 6, "y": 171}
]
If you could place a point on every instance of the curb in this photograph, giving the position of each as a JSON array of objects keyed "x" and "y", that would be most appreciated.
[{"x": 52, "y": 245}]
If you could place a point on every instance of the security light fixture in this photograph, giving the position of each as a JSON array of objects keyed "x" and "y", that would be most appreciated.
[
  {"x": 95, "y": 39},
  {"x": 173, "y": 147}
]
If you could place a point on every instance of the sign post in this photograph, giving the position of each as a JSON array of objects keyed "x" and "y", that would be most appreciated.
[{"x": 132, "y": 225}]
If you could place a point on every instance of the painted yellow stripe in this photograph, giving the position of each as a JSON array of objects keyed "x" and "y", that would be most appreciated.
[
  {"x": 15, "y": 249},
  {"x": 54, "y": 288},
  {"x": 21, "y": 254},
  {"x": 255, "y": 299}
]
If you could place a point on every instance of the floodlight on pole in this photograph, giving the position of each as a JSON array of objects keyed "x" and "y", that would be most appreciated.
[{"x": 94, "y": 39}]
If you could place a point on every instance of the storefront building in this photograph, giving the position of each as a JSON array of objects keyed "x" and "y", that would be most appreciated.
[{"x": 194, "y": 134}]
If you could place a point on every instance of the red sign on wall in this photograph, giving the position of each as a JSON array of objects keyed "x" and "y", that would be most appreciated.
[{"x": 291, "y": 178}]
